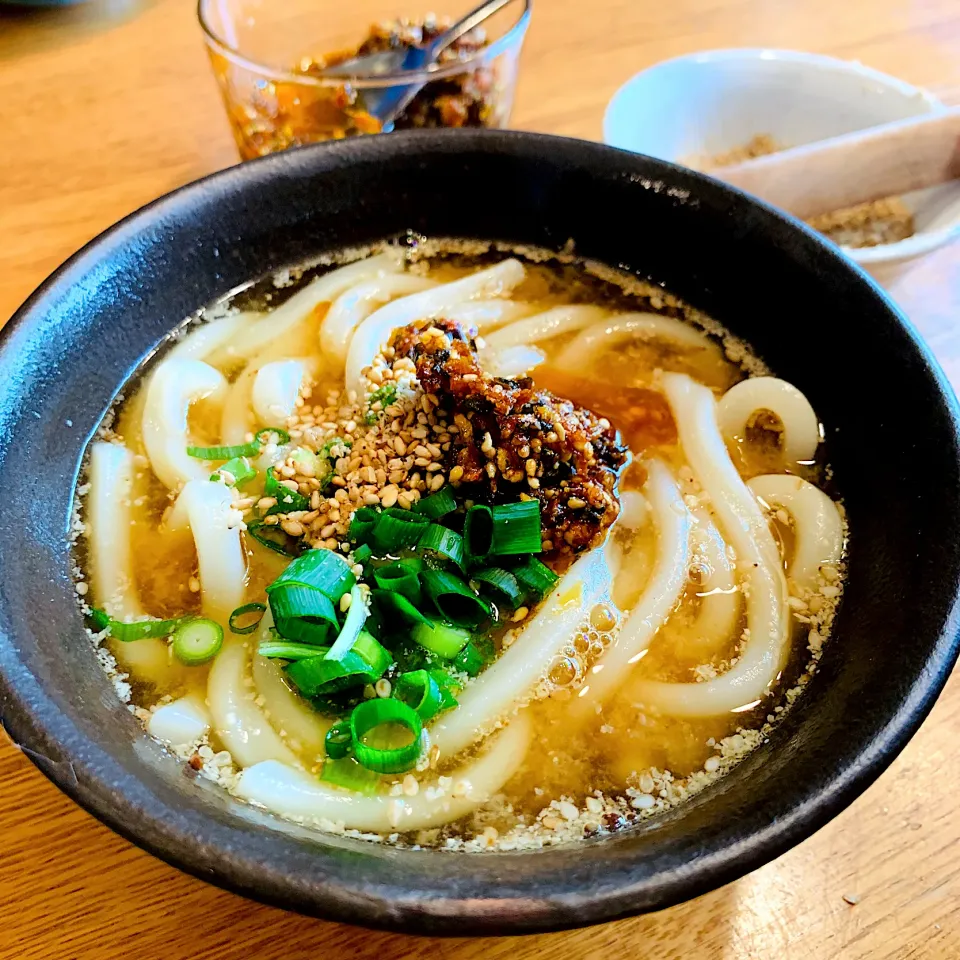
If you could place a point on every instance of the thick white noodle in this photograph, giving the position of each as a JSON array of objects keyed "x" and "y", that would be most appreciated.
[
  {"x": 634, "y": 509},
  {"x": 351, "y": 308},
  {"x": 238, "y": 722},
  {"x": 818, "y": 529},
  {"x": 719, "y": 609},
  {"x": 745, "y": 528},
  {"x": 199, "y": 340},
  {"x": 255, "y": 337},
  {"x": 505, "y": 684},
  {"x": 512, "y": 361},
  {"x": 109, "y": 521},
  {"x": 672, "y": 522},
  {"x": 801, "y": 429},
  {"x": 183, "y": 721},
  {"x": 554, "y": 322},
  {"x": 606, "y": 335},
  {"x": 205, "y": 508},
  {"x": 487, "y": 315},
  {"x": 293, "y": 793},
  {"x": 237, "y": 418},
  {"x": 173, "y": 387},
  {"x": 276, "y": 387},
  {"x": 375, "y": 331},
  {"x": 291, "y": 715}
]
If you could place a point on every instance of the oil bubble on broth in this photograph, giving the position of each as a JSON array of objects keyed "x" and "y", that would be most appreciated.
[{"x": 453, "y": 544}]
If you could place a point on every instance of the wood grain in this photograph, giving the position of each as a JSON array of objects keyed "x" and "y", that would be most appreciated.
[
  {"x": 104, "y": 107},
  {"x": 860, "y": 167}
]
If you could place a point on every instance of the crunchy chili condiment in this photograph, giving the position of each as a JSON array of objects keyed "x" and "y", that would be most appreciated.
[
  {"x": 268, "y": 115},
  {"x": 514, "y": 440}
]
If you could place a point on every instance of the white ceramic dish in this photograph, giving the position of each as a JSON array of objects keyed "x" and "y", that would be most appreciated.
[{"x": 707, "y": 103}]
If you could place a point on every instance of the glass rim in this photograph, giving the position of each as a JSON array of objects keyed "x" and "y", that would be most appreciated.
[{"x": 513, "y": 35}]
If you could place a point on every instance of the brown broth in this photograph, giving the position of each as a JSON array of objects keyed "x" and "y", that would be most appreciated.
[{"x": 610, "y": 751}]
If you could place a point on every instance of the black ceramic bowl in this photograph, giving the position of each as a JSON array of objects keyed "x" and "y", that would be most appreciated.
[{"x": 892, "y": 439}]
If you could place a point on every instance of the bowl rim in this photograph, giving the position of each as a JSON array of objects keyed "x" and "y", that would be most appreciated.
[{"x": 60, "y": 750}]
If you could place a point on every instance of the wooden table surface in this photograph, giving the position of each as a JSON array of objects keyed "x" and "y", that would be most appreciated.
[{"x": 106, "y": 106}]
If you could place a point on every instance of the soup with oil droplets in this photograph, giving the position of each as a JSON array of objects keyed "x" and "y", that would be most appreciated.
[{"x": 459, "y": 546}]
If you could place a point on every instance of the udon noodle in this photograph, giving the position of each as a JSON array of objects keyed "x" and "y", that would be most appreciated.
[{"x": 480, "y": 551}]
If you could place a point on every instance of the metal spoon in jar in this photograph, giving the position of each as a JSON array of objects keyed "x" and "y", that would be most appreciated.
[{"x": 385, "y": 103}]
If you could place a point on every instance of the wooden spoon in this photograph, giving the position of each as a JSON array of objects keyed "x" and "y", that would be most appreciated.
[{"x": 855, "y": 168}]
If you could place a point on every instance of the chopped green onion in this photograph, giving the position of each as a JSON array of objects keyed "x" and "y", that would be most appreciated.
[
  {"x": 394, "y": 607},
  {"x": 240, "y": 450},
  {"x": 348, "y": 773},
  {"x": 397, "y": 529},
  {"x": 302, "y": 613},
  {"x": 535, "y": 577},
  {"x": 438, "y": 504},
  {"x": 288, "y": 500},
  {"x": 285, "y": 650},
  {"x": 469, "y": 660},
  {"x": 135, "y": 630},
  {"x": 372, "y": 714},
  {"x": 338, "y": 740},
  {"x": 263, "y": 436},
  {"x": 321, "y": 569},
  {"x": 501, "y": 582},
  {"x": 385, "y": 396},
  {"x": 362, "y": 524},
  {"x": 352, "y": 625},
  {"x": 478, "y": 531},
  {"x": 453, "y": 599},
  {"x": 370, "y": 649},
  {"x": 242, "y": 612},
  {"x": 263, "y": 534},
  {"x": 401, "y": 577},
  {"x": 362, "y": 554},
  {"x": 443, "y": 639},
  {"x": 314, "y": 676},
  {"x": 197, "y": 641},
  {"x": 224, "y": 453},
  {"x": 326, "y": 451},
  {"x": 239, "y": 468},
  {"x": 448, "y": 687},
  {"x": 443, "y": 542},
  {"x": 419, "y": 690},
  {"x": 516, "y": 528}
]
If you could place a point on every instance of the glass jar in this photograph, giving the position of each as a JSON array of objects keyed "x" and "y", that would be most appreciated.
[{"x": 269, "y": 58}]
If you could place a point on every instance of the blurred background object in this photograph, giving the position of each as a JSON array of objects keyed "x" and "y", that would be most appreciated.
[{"x": 269, "y": 58}]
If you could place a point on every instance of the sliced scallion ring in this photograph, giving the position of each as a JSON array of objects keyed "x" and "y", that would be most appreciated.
[
  {"x": 240, "y": 450},
  {"x": 443, "y": 542},
  {"x": 286, "y": 650},
  {"x": 469, "y": 660},
  {"x": 396, "y": 530},
  {"x": 197, "y": 641},
  {"x": 370, "y": 715},
  {"x": 304, "y": 614},
  {"x": 241, "y": 620},
  {"x": 419, "y": 690},
  {"x": 443, "y": 639},
  {"x": 322, "y": 570},
  {"x": 401, "y": 577},
  {"x": 535, "y": 577},
  {"x": 516, "y": 528},
  {"x": 272, "y": 537},
  {"x": 478, "y": 531},
  {"x": 453, "y": 599},
  {"x": 501, "y": 583},
  {"x": 338, "y": 741},
  {"x": 349, "y": 774},
  {"x": 288, "y": 500},
  {"x": 352, "y": 625},
  {"x": 134, "y": 630},
  {"x": 396, "y": 608},
  {"x": 438, "y": 504},
  {"x": 235, "y": 472},
  {"x": 362, "y": 523}
]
